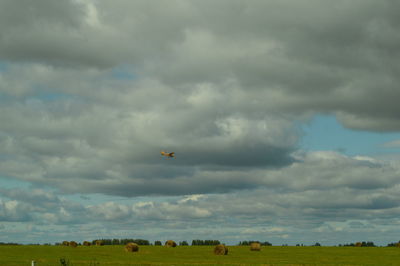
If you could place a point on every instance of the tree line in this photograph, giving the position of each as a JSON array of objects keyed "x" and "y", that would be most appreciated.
[
  {"x": 359, "y": 244},
  {"x": 200, "y": 242},
  {"x": 144, "y": 242},
  {"x": 124, "y": 241},
  {"x": 248, "y": 242}
]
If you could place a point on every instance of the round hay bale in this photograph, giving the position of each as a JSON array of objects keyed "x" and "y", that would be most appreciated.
[
  {"x": 358, "y": 244},
  {"x": 65, "y": 243},
  {"x": 99, "y": 243},
  {"x": 73, "y": 244},
  {"x": 220, "y": 250},
  {"x": 86, "y": 243},
  {"x": 255, "y": 246},
  {"x": 397, "y": 245},
  {"x": 170, "y": 243},
  {"x": 131, "y": 247}
]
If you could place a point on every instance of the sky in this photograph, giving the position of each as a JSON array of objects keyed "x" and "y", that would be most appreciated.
[{"x": 283, "y": 115}]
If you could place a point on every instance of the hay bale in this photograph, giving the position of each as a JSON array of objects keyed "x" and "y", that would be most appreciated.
[
  {"x": 86, "y": 243},
  {"x": 65, "y": 243},
  {"x": 73, "y": 244},
  {"x": 170, "y": 243},
  {"x": 397, "y": 245},
  {"x": 132, "y": 247},
  {"x": 220, "y": 250},
  {"x": 255, "y": 246},
  {"x": 358, "y": 244},
  {"x": 99, "y": 243}
]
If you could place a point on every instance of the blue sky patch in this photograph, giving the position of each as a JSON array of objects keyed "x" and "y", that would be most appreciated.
[{"x": 324, "y": 132}]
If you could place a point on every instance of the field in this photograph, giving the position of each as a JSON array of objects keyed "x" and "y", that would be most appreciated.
[{"x": 198, "y": 255}]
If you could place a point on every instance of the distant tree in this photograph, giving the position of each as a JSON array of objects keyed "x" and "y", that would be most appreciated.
[
  {"x": 370, "y": 244},
  {"x": 197, "y": 242},
  {"x": 266, "y": 243},
  {"x": 101, "y": 242},
  {"x": 142, "y": 242},
  {"x": 211, "y": 242},
  {"x": 317, "y": 244},
  {"x": 248, "y": 242},
  {"x": 183, "y": 243},
  {"x": 361, "y": 244},
  {"x": 9, "y": 243},
  {"x": 125, "y": 241},
  {"x": 115, "y": 241},
  {"x": 347, "y": 245},
  {"x": 157, "y": 243}
]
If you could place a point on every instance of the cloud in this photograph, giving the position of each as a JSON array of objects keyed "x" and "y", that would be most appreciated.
[
  {"x": 14, "y": 211},
  {"x": 36, "y": 197},
  {"x": 222, "y": 90},
  {"x": 53, "y": 139},
  {"x": 56, "y": 33},
  {"x": 308, "y": 201},
  {"x": 340, "y": 62},
  {"x": 311, "y": 187},
  {"x": 90, "y": 92}
]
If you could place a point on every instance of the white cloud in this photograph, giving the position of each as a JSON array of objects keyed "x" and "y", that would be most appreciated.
[{"x": 192, "y": 198}]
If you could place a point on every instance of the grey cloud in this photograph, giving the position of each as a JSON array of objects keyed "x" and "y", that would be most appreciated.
[
  {"x": 170, "y": 211},
  {"x": 116, "y": 150},
  {"x": 43, "y": 30},
  {"x": 273, "y": 214},
  {"x": 221, "y": 84},
  {"x": 25, "y": 12},
  {"x": 36, "y": 197},
  {"x": 39, "y": 207},
  {"x": 319, "y": 170},
  {"x": 118, "y": 153},
  {"x": 324, "y": 57},
  {"x": 111, "y": 211},
  {"x": 316, "y": 60},
  {"x": 76, "y": 33},
  {"x": 314, "y": 187},
  {"x": 14, "y": 211}
]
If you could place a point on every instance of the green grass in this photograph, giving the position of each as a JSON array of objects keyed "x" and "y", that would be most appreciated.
[{"x": 198, "y": 255}]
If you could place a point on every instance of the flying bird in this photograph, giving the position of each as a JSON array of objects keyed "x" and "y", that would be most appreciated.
[{"x": 168, "y": 154}]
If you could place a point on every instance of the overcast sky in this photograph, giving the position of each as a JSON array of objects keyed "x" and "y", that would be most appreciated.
[{"x": 283, "y": 115}]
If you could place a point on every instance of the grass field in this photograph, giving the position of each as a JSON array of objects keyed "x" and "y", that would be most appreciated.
[{"x": 198, "y": 255}]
